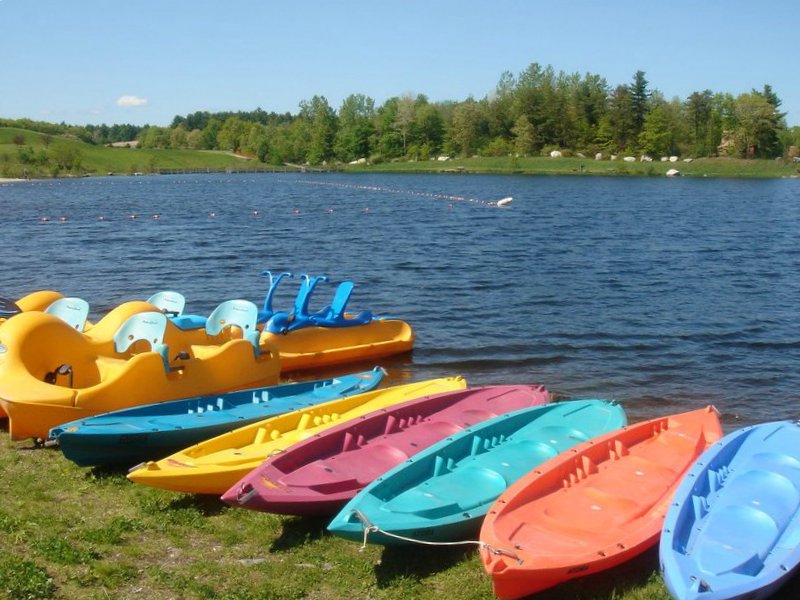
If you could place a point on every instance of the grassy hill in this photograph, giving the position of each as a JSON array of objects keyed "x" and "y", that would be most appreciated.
[{"x": 40, "y": 155}]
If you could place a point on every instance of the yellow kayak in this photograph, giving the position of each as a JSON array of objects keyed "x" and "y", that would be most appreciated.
[
  {"x": 51, "y": 373},
  {"x": 213, "y": 466}
]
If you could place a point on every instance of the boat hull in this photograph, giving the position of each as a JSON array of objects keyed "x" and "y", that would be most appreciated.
[
  {"x": 319, "y": 475},
  {"x": 317, "y": 347},
  {"x": 130, "y": 436},
  {"x": 593, "y": 507},
  {"x": 99, "y": 379},
  {"x": 733, "y": 528},
  {"x": 443, "y": 493},
  {"x": 213, "y": 466}
]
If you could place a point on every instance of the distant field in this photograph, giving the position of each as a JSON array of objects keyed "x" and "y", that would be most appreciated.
[
  {"x": 101, "y": 160},
  {"x": 540, "y": 165}
]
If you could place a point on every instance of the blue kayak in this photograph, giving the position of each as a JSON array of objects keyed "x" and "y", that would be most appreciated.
[
  {"x": 443, "y": 493},
  {"x": 133, "y": 435},
  {"x": 733, "y": 528}
]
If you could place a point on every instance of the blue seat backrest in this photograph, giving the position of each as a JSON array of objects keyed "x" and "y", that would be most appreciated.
[
  {"x": 149, "y": 326},
  {"x": 274, "y": 280},
  {"x": 235, "y": 313},
  {"x": 340, "y": 299},
  {"x": 282, "y": 322},
  {"x": 301, "y": 301},
  {"x": 71, "y": 310},
  {"x": 170, "y": 303}
]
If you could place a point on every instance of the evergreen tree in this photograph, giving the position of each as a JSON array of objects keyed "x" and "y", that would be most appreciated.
[{"x": 639, "y": 101}]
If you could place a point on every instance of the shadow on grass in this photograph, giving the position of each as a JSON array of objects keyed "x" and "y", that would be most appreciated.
[
  {"x": 298, "y": 531},
  {"x": 613, "y": 583},
  {"x": 106, "y": 472},
  {"x": 206, "y": 505},
  {"x": 418, "y": 562}
]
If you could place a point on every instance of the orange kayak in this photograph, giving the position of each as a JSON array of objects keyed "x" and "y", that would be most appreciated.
[{"x": 592, "y": 507}]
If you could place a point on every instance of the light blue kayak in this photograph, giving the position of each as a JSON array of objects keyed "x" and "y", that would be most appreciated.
[
  {"x": 443, "y": 493},
  {"x": 733, "y": 529},
  {"x": 133, "y": 435}
]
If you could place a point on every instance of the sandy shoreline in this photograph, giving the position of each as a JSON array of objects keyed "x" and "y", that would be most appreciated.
[{"x": 6, "y": 180}]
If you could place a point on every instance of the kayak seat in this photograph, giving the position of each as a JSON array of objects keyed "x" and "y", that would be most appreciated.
[
  {"x": 235, "y": 313},
  {"x": 473, "y": 416},
  {"x": 428, "y": 433},
  {"x": 265, "y": 314},
  {"x": 146, "y": 326},
  {"x": 71, "y": 310},
  {"x": 170, "y": 303}
]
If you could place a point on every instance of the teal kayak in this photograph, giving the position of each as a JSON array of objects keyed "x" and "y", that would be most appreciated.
[
  {"x": 133, "y": 435},
  {"x": 443, "y": 493}
]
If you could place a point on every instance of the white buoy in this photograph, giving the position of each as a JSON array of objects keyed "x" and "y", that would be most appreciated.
[{"x": 505, "y": 201}]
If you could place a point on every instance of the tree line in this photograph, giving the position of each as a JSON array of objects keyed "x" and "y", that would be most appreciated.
[{"x": 529, "y": 114}]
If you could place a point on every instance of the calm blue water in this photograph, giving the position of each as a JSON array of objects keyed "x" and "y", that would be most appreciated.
[{"x": 665, "y": 294}]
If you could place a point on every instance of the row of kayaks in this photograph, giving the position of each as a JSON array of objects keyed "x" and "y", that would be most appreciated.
[
  {"x": 56, "y": 366},
  {"x": 552, "y": 490}
]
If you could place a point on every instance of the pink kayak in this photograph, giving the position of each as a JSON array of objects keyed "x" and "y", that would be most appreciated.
[{"x": 321, "y": 474}]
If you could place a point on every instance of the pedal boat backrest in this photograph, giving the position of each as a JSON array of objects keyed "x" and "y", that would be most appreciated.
[
  {"x": 334, "y": 314},
  {"x": 282, "y": 322},
  {"x": 148, "y": 326},
  {"x": 168, "y": 302},
  {"x": 236, "y": 313},
  {"x": 266, "y": 313},
  {"x": 73, "y": 311}
]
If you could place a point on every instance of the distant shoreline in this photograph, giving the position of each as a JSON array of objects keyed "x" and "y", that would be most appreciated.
[{"x": 8, "y": 180}]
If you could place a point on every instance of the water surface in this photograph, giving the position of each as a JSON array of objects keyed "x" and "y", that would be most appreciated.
[{"x": 664, "y": 294}]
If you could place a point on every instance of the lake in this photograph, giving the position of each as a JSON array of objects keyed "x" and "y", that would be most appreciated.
[{"x": 664, "y": 294}]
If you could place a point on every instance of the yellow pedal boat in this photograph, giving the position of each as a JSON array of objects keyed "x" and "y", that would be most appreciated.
[
  {"x": 213, "y": 466},
  {"x": 51, "y": 373},
  {"x": 316, "y": 347},
  {"x": 307, "y": 348}
]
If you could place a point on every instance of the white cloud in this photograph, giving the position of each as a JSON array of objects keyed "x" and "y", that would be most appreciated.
[{"x": 131, "y": 101}]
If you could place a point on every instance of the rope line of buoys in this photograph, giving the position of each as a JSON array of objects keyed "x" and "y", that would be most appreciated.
[
  {"x": 374, "y": 188},
  {"x": 213, "y": 214}
]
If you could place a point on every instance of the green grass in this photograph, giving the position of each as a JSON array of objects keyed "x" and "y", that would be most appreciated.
[
  {"x": 540, "y": 165},
  {"x": 69, "y": 532},
  {"x": 102, "y": 160}
]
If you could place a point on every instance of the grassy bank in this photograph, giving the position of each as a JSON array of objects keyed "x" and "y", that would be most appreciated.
[
  {"x": 44, "y": 156},
  {"x": 68, "y": 532},
  {"x": 540, "y": 165}
]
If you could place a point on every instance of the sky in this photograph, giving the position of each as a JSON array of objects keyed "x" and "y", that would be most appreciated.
[{"x": 146, "y": 61}]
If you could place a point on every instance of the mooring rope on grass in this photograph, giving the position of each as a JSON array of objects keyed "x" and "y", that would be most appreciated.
[{"x": 369, "y": 527}]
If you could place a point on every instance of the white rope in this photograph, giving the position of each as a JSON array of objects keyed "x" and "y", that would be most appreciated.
[{"x": 369, "y": 527}]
